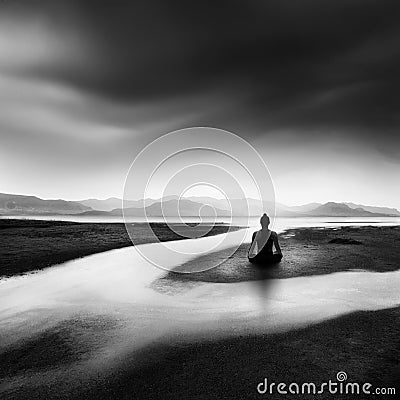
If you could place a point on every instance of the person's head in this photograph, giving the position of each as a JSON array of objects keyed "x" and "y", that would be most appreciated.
[{"x": 264, "y": 221}]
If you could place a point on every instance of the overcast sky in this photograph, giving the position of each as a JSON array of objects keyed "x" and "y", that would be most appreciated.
[{"x": 313, "y": 85}]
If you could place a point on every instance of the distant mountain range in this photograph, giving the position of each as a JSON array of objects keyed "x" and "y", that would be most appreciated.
[
  {"x": 172, "y": 206},
  {"x": 386, "y": 210},
  {"x": 14, "y": 204},
  {"x": 332, "y": 209},
  {"x": 112, "y": 203}
]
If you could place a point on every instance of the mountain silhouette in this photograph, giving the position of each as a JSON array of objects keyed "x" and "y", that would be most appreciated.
[
  {"x": 14, "y": 204},
  {"x": 374, "y": 209},
  {"x": 172, "y": 206},
  {"x": 332, "y": 209}
]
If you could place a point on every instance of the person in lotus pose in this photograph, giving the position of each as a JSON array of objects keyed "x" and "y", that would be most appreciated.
[{"x": 260, "y": 251}]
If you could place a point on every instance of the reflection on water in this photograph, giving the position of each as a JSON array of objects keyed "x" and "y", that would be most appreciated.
[{"x": 117, "y": 286}]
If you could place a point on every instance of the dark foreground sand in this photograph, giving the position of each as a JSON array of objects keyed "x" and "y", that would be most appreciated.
[{"x": 365, "y": 345}]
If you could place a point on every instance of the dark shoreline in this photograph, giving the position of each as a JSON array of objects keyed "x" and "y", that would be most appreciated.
[{"x": 30, "y": 245}]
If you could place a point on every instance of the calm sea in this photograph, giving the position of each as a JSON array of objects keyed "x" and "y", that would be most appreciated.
[{"x": 278, "y": 224}]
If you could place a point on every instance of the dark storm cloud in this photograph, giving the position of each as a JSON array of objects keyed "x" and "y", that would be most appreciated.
[
  {"x": 278, "y": 64},
  {"x": 313, "y": 85}
]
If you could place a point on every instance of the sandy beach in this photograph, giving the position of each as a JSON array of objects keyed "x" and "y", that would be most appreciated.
[{"x": 331, "y": 305}]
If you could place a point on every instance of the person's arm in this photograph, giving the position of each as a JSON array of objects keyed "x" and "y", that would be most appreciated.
[
  {"x": 276, "y": 243},
  {"x": 253, "y": 237}
]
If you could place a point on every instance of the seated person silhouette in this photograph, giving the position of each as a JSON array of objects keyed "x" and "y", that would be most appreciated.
[{"x": 260, "y": 251}]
